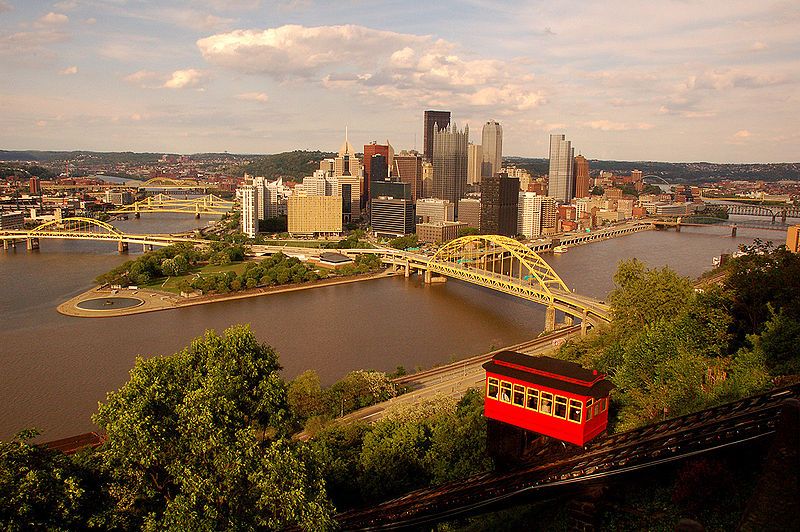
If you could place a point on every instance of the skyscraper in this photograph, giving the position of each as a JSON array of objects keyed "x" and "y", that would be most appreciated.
[
  {"x": 441, "y": 119},
  {"x": 561, "y": 167},
  {"x": 347, "y": 169},
  {"x": 582, "y": 180},
  {"x": 474, "y": 164},
  {"x": 373, "y": 148},
  {"x": 492, "y": 143},
  {"x": 408, "y": 167},
  {"x": 249, "y": 210},
  {"x": 450, "y": 164},
  {"x": 499, "y": 205}
]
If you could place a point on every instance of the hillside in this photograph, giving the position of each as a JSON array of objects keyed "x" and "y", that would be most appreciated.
[{"x": 289, "y": 165}]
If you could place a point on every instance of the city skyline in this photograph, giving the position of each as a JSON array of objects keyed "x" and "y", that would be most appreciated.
[{"x": 627, "y": 82}]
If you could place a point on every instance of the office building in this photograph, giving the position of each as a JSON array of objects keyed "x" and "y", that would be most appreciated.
[
  {"x": 582, "y": 180},
  {"x": 499, "y": 205},
  {"x": 529, "y": 219},
  {"x": 438, "y": 232},
  {"x": 408, "y": 168},
  {"x": 392, "y": 217},
  {"x": 315, "y": 215},
  {"x": 793, "y": 239},
  {"x": 492, "y": 146},
  {"x": 249, "y": 196},
  {"x": 390, "y": 189},
  {"x": 427, "y": 179},
  {"x": 450, "y": 164},
  {"x": 381, "y": 172},
  {"x": 12, "y": 220},
  {"x": 469, "y": 212},
  {"x": 119, "y": 198},
  {"x": 561, "y": 176},
  {"x": 435, "y": 210},
  {"x": 35, "y": 186},
  {"x": 440, "y": 119},
  {"x": 474, "y": 164}
]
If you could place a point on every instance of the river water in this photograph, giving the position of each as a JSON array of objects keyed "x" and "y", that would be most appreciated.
[{"x": 54, "y": 369}]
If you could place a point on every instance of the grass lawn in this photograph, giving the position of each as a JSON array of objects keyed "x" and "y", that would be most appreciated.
[{"x": 170, "y": 284}]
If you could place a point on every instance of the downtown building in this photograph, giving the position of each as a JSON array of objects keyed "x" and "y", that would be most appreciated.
[
  {"x": 433, "y": 121},
  {"x": 582, "y": 179},
  {"x": 474, "y": 164},
  {"x": 314, "y": 215},
  {"x": 492, "y": 147},
  {"x": 381, "y": 171},
  {"x": 499, "y": 205},
  {"x": 561, "y": 177},
  {"x": 249, "y": 196},
  {"x": 435, "y": 210},
  {"x": 450, "y": 164},
  {"x": 407, "y": 168},
  {"x": 469, "y": 212},
  {"x": 392, "y": 209}
]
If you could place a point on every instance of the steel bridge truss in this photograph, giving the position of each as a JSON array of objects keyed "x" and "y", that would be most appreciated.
[
  {"x": 506, "y": 265},
  {"x": 210, "y": 205}
]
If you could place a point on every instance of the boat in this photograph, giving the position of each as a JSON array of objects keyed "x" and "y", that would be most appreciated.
[{"x": 560, "y": 249}]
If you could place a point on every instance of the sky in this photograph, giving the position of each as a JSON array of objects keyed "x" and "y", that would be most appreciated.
[{"x": 665, "y": 80}]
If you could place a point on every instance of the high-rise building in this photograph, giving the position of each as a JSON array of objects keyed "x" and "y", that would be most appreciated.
[
  {"x": 371, "y": 149},
  {"x": 315, "y": 215},
  {"x": 379, "y": 168},
  {"x": 392, "y": 217},
  {"x": 529, "y": 219},
  {"x": 439, "y": 118},
  {"x": 469, "y": 212},
  {"x": 492, "y": 144},
  {"x": 249, "y": 210},
  {"x": 582, "y": 179},
  {"x": 432, "y": 210},
  {"x": 562, "y": 157},
  {"x": 35, "y": 186},
  {"x": 427, "y": 179},
  {"x": 408, "y": 168},
  {"x": 450, "y": 164},
  {"x": 474, "y": 164},
  {"x": 499, "y": 205}
]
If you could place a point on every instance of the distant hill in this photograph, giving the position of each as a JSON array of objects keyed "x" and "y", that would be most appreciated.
[
  {"x": 679, "y": 172},
  {"x": 290, "y": 165}
]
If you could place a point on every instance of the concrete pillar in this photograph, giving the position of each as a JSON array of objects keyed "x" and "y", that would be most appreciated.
[
  {"x": 122, "y": 247},
  {"x": 733, "y": 231},
  {"x": 137, "y": 215},
  {"x": 678, "y": 227},
  {"x": 5, "y": 244},
  {"x": 584, "y": 323},
  {"x": 408, "y": 270},
  {"x": 427, "y": 277},
  {"x": 197, "y": 215},
  {"x": 32, "y": 243},
  {"x": 550, "y": 319}
]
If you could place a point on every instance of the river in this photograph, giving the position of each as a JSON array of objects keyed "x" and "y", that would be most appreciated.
[{"x": 54, "y": 368}]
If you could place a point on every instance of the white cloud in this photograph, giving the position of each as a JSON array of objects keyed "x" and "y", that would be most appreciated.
[
  {"x": 183, "y": 79},
  {"x": 5, "y": 6},
  {"x": 70, "y": 70},
  {"x": 742, "y": 134},
  {"x": 608, "y": 125},
  {"x": 53, "y": 19},
  {"x": 142, "y": 77},
  {"x": 758, "y": 46},
  {"x": 261, "y": 97},
  {"x": 401, "y": 66},
  {"x": 66, "y": 5},
  {"x": 91, "y": 21}
]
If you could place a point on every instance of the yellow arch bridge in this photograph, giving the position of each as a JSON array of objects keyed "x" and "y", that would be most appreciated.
[
  {"x": 88, "y": 229},
  {"x": 209, "y": 205},
  {"x": 505, "y": 265}
]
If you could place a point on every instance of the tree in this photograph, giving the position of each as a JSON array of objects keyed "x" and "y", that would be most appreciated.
[
  {"x": 468, "y": 231},
  {"x": 45, "y": 489},
  {"x": 404, "y": 242},
  {"x": 305, "y": 395},
  {"x": 597, "y": 191},
  {"x": 196, "y": 440}
]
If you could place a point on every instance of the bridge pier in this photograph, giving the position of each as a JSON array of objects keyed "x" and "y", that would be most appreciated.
[
  {"x": 584, "y": 323},
  {"x": 407, "y": 270},
  {"x": 733, "y": 231},
  {"x": 137, "y": 215},
  {"x": 6, "y": 245},
  {"x": 550, "y": 319},
  {"x": 122, "y": 247},
  {"x": 32, "y": 243},
  {"x": 427, "y": 277},
  {"x": 197, "y": 215},
  {"x": 678, "y": 227},
  {"x": 147, "y": 247}
]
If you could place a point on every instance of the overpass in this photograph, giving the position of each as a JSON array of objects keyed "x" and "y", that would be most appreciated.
[
  {"x": 208, "y": 205},
  {"x": 88, "y": 229},
  {"x": 754, "y": 209},
  {"x": 492, "y": 261}
]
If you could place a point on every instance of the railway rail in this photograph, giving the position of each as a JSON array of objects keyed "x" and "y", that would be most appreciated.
[{"x": 709, "y": 430}]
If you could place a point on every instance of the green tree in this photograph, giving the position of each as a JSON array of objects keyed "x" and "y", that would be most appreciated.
[
  {"x": 404, "y": 242},
  {"x": 597, "y": 191},
  {"x": 195, "y": 440},
  {"x": 305, "y": 395}
]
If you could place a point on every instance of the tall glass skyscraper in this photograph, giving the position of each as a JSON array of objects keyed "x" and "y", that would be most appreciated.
[
  {"x": 492, "y": 145},
  {"x": 450, "y": 164},
  {"x": 441, "y": 119},
  {"x": 562, "y": 180}
]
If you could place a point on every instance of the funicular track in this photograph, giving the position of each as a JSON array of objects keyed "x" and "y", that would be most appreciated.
[{"x": 723, "y": 426}]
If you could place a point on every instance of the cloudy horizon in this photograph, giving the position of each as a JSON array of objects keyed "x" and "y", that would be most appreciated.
[{"x": 677, "y": 80}]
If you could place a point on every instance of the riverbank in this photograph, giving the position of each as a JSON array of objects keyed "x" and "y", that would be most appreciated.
[{"x": 155, "y": 300}]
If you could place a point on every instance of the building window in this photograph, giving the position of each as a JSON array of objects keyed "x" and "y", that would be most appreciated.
[
  {"x": 589, "y": 409},
  {"x": 492, "y": 388},
  {"x": 533, "y": 399},
  {"x": 546, "y": 407},
  {"x": 575, "y": 408},
  {"x": 505, "y": 391},
  {"x": 519, "y": 395},
  {"x": 561, "y": 407}
]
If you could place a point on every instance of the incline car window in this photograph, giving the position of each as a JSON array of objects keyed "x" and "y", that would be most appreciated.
[
  {"x": 493, "y": 388},
  {"x": 505, "y": 391},
  {"x": 519, "y": 395},
  {"x": 533, "y": 399},
  {"x": 575, "y": 408},
  {"x": 561, "y": 407},
  {"x": 546, "y": 406}
]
